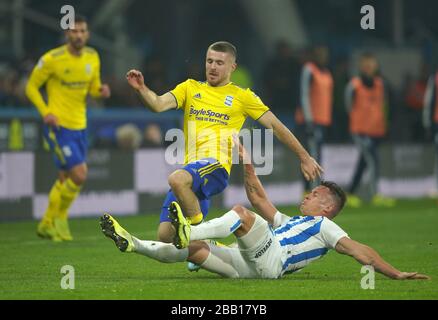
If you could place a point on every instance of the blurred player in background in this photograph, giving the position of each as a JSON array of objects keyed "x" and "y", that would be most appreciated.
[
  {"x": 216, "y": 109},
  {"x": 316, "y": 96},
  {"x": 69, "y": 73},
  {"x": 430, "y": 119},
  {"x": 364, "y": 100},
  {"x": 269, "y": 245}
]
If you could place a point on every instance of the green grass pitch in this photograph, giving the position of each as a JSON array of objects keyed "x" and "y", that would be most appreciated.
[{"x": 406, "y": 236}]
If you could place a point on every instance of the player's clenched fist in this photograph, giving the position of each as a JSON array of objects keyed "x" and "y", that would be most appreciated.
[
  {"x": 51, "y": 120},
  {"x": 135, "y": 79},
  {"x": 105, "y": 91}
]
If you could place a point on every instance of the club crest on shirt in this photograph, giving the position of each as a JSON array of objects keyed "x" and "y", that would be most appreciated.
[
  {"x": 228, "y": 100},
  {"x": 88, "y": 68}
]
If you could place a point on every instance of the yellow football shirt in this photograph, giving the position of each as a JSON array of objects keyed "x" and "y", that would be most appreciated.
[
  {"x": 212, "y": 115},
  {"x": 68, "y": 80}
]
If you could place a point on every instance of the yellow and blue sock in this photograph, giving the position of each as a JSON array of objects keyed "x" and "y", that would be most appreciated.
[
  {"x": 54, "y": 202},
  {"x": 68, "y": 193},
  {"x": 196, "y": 219}
]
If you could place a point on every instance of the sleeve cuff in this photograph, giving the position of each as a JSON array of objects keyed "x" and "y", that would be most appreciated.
[{"x": 176, "y": 100}]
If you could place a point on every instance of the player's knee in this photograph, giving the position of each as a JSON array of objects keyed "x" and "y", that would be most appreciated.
[
  {"x": 239, "y": 209},
  {"x": 243, "y": 212},
  {"x": 80, "y": 180},
  {"x": 179, "y": 179},
  {"x": 165, "y": 233},
  {"x": 164, "y": 237},
  {"x": 198, "y": 252},
  {"x": 79, "y": 177}
]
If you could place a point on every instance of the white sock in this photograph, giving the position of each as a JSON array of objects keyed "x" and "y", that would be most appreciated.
[
  {"x": 163, "y": 252},
  {"x": 216, "y": 265},
  {"x": 216, "y": 228}
]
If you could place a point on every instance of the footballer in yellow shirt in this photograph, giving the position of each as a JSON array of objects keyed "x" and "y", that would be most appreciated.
[
  {"x": 213, "y": 111},
  {"x": 69, "y": 73},
  {"x": 212, "y": 115}
]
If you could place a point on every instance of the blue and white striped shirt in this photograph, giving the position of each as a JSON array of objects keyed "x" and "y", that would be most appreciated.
[{"x": 304, "y": 239}]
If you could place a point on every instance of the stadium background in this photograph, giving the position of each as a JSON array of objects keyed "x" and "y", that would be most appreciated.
[{"x": 167, "y": 41}]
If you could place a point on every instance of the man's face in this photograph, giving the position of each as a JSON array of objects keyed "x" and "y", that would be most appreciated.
[
  {"x": 322, "y": 56},
  {"x": 78, "y": 36},
  {"x": 368, "y": 66},
  {"x": 317, "y": 203},
  {"x": 218, "y": 67}
]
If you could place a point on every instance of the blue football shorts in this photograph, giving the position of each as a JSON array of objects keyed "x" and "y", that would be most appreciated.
[
  {"x": 69, "y": 147},
  {"x": 209, "y": 179}
]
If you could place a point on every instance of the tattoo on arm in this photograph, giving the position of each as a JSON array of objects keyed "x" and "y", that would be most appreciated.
[
  {"x": 252, "y": 183},
  {"x": 250, "y": 187}
]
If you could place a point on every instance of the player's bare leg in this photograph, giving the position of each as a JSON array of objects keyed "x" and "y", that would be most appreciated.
[
  {"x": 202, "y": 254},
  {"x": 181, "y": 183},
  {"x": 165, "y": 232},
  {"x": 78, "y": 174},
  {"x": 247, "y": 219},
  {"x": 198, "y": 252}
]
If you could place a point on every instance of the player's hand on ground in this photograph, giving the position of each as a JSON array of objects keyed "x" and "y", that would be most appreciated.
[
  {"x": 244, "y": 157},
  {"x": 51, "y": 120},
  {"x": 135, "y": 79},
  {"x": 105, "y": 91},
  {"x": 311, "y": 169},
  {"x": 412, "y": 276}
]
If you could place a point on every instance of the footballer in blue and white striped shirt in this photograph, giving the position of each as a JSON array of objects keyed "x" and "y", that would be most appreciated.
[{"x": 269, "y": 244}]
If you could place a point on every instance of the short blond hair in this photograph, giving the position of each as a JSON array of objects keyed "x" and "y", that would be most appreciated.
[{"x": 224, "y": 46}]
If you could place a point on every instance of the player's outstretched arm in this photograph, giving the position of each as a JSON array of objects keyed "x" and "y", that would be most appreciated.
[
  {"x": 149, "y": 98},
  {"x": 254, "y": 190},
  {"x": 310, "y": 168},
  {"x": 366, "y": 255}
]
